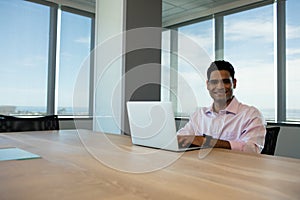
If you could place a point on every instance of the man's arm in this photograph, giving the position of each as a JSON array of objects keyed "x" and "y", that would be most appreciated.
[
  {"x": 217, "y": 143},
  {"x": 186, "y": 140}
]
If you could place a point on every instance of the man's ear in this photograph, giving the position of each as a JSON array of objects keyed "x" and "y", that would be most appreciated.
[
  {"x": 234, "y": 83},
  {"x": 206, "y": 84}
]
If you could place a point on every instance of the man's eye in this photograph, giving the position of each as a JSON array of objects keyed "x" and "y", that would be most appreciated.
[
  {"x": 214, "y": 82},
  {"x": 226, "y": 81}
]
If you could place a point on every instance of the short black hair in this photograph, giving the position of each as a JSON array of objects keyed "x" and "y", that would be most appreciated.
[{"x": 220, "y": 65}]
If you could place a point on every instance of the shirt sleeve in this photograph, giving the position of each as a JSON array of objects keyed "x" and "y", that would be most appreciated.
[
  {"x": 253, "y": 136},
  {"x": 188, "y": 128}
]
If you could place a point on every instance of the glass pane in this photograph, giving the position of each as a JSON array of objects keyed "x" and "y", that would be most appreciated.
[
  {"x": 249, "y": 46},
  {"x": 165, "y": 62},
  {"x": 202, "y": 34},
  {"x": 293, "y": 59},
  {"x": 187, "y": 64},
  {"x": 75, "y": 45},
  {"x": 192, "y": 76},
  {"x": 24, "y": 40}
]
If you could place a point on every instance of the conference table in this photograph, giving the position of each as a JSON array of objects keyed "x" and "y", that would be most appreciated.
[{"x": 84, "y": 164}]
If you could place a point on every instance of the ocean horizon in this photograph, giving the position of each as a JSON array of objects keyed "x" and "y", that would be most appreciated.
[
  {"x": 36, "y": 110},
  {"x": 269, "y": 114}
]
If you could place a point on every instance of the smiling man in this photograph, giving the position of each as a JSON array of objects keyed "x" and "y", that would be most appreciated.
[{"x": 227, "y": 123}]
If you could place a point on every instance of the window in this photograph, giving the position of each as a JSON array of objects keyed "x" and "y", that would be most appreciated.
[
  {"x": 75, "y": 46},
  {"x": 249, "y": 46},
  {"x": 293, "y": 59},
  {"x": 193, "y": 47},
  {"x": 28, "y": 54},
  {"x": 246, "y": 36},
  {"x": 24, "y": 48}
]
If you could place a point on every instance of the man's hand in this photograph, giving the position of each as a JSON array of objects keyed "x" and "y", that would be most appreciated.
[{"x": 187, "y": 140}]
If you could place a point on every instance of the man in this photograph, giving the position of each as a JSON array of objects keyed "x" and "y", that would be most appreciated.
[{"x": 227, "y": 123}]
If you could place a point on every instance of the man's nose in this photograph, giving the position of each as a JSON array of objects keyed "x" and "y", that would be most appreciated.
[{"x": 220, "y": 84}]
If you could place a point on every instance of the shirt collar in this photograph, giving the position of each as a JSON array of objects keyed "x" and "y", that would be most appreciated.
[{"x": 231, "y": 108}]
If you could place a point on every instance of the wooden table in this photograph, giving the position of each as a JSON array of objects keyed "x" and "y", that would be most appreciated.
[{"x": 81, "y": 164}]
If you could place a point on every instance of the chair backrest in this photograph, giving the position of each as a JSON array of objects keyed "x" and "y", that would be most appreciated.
[
  {"x": 15, "y": 124},
  {"x": 270, "y": 140}
]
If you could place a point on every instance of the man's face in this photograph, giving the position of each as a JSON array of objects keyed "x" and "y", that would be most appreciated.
[{"x": 220, "y": 86}]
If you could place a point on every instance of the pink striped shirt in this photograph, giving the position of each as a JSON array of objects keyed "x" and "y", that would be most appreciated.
[{"x": 242, "y": 125}]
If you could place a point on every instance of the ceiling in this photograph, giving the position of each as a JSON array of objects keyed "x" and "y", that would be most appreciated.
[
  {"x": 174, "y": 10},
  {"x": 177, "y": 11},
  {"x": 90, "y": 3}
]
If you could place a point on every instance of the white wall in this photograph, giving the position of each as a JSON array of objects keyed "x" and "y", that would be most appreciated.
[
  {"x": 288, "y": 143},
  {"x": 108, "y": 66}
]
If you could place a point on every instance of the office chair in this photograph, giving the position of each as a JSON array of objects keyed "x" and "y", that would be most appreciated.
[
  {"x": 270, "y": 140},
  {"x": 16, "y": 124}
]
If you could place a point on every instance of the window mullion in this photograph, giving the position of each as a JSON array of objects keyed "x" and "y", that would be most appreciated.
[
  {"x": 174, "y": 68},
  {"x": 92, "y": 68},
  {"x": 280, "y": 57},
  {"x": 219, "y": 37},
  {"x": 52, "y": 61}
]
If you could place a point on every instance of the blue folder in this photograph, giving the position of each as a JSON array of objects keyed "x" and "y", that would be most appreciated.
[{"x": 13, "y": 153}]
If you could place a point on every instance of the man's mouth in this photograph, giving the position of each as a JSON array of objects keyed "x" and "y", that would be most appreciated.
[{"x": 220, "y": 93}]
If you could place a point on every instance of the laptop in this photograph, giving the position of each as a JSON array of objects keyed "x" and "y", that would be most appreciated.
[{"x": 152, "y": 124}]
